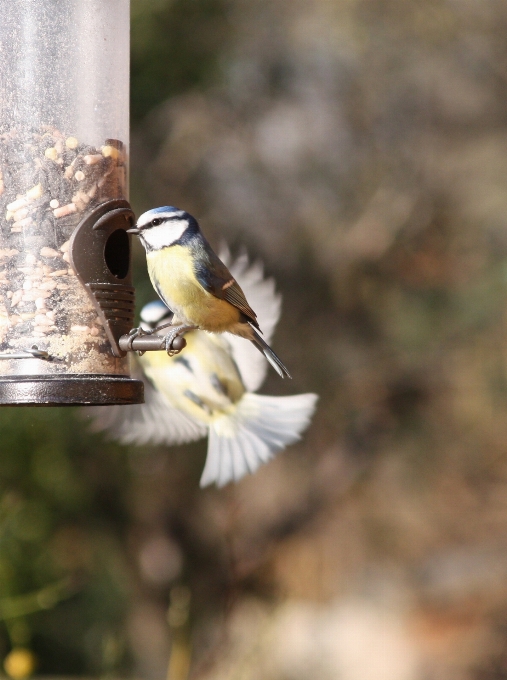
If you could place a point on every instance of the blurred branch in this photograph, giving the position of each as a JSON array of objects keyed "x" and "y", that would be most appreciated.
[{"x": 46, "y": 598}]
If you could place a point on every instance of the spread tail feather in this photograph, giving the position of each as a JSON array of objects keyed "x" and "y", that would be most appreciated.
[
  {"x": 273, "y": 359},
  {"x": 260, "y": 426}
]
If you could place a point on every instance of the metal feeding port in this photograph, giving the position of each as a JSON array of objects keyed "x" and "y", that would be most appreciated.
[
  {"x": 100, "y": 255},
  {"x": 66, "y": 292}
]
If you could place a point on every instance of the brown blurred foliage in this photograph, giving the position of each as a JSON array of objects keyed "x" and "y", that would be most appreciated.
[{"x": 359, "y": 148}]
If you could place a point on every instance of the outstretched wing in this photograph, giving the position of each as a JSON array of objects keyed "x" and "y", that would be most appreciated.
[
  {"x": 214, "y": 277},
  {"x": 155, "y": 422},
  {"x": 267, "y": 302}
]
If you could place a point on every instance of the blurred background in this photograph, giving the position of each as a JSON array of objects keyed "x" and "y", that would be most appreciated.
[{"x": 359, "y": 149}]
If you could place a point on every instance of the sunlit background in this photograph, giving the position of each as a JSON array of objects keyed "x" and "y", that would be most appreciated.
[{"x": 359, "y": 149}]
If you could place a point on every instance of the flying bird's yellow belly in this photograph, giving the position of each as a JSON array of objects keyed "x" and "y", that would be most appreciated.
[
  {"x": 172, "y": 274},
  {"x": 203, "y": 381}
]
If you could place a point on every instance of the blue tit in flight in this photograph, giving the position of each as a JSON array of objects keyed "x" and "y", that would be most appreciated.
[
  {"x": 194, "y": 283},
  {"x": 208, "y": 390}
]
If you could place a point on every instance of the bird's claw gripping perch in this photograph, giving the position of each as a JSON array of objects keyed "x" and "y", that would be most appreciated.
[
  {"x": 140, "y": 340},
  {"x": 139, "y": 332},
  {"x": 174, "y": 341},
  {"x": 132, "y": 335}
]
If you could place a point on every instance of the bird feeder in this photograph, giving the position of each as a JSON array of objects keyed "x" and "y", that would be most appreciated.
[{"x": 66, "y": 292}]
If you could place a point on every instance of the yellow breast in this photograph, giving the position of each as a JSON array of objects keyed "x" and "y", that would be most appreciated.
[{"x": 172, "y": 274}]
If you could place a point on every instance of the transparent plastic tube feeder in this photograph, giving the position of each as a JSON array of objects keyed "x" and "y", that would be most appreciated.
[{"x": 66, "y": 292}]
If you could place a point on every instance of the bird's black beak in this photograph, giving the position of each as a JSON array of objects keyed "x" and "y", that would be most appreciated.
[{"x": 134, "y": 230}]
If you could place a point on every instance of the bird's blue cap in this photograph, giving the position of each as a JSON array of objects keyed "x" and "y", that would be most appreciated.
[
  {"x": 147, "y": 216},
  {"x": 164, "y": 208}
]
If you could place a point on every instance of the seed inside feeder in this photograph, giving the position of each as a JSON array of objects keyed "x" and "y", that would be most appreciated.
[
  {"x": 53, "y": 181},
  {"x": 71, "y": 142},
  {"x": 51, "y": 153}
]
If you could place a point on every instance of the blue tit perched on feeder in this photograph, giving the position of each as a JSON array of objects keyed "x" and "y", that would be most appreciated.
[
  {"x": 208, "y": 390},
  {"x": 194, "y": 283}
]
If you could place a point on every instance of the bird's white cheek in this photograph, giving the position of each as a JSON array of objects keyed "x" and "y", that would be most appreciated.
[{"x": 164, "y": 235}]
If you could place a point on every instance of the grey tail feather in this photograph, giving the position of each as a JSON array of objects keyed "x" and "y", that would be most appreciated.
[{"x": 273, "y": 359}]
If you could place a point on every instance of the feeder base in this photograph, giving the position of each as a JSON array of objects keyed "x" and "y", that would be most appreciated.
[{"x": 70, "y": 390}]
